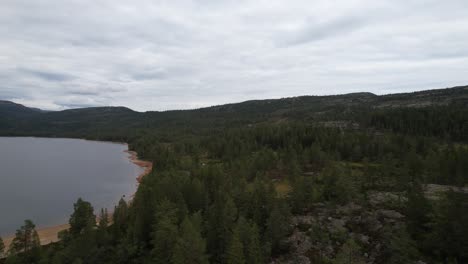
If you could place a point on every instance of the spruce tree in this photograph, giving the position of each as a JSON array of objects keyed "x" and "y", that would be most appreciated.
[
  {"x": 418, "y": 211},
  {"x": 278, "y": 227},
  {"x": 120, "y": 219},
  {"x": 164, "y": 232},
  {"x": 103, "y": 236},
  {"x": 2, "y": 247},
  {"x": 250, "y": 238},
  {"x": 190, "y": 246},
  {"x": 26, "y": 238},
  {"x": 254, "y": 250},
  {"x": 235, "y": 252},
  {"x": 350, "y": 252},
  {"x": 103, "y": 219},
  {"x": 448, "y": 238},
  {"x": 82, "y": 219}
]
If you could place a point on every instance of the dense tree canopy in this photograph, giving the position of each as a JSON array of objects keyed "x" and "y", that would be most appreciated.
[{"x": 259, "y": 181}]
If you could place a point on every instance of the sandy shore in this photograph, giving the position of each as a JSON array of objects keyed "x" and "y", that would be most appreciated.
[
  {"x": 49, "y": 235},
  {"x": 146, "y": 165}
]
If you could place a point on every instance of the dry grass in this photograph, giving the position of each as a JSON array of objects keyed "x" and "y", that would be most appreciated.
[{"x": 283, "y": 188}]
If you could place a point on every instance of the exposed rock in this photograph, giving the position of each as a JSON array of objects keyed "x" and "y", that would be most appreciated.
[
  {"x": 300, "y": 242},
  {"x": 349, "y": 209},
  {"x": 370, "y": 221},
  {"x": 363, "y": 239},
  {"x": 338, "y": 225},
  {"x": 434, "y": 191},
  {"x": 390, "y": 214},
  {"x": 329, "y": 226},
  {"x": 292, "y": 259},
  {"x": 380, "y": 198},
  {"x": 303, "y": 220}
]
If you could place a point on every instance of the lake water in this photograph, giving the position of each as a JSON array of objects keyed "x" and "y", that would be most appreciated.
[{"x": 41, "y": 178}]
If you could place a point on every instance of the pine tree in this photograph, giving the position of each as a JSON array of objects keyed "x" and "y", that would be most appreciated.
[
  {"x": 250, "y": 238},
  {"x": 164, "y": 232},
  {"x": 235, "y": 252},
  {"x": 103, "y": 236},
  {"x": 399, "y": 247},
  {"x": 278, "y": 227},
  {"x": 219, "y": 225},
  {"x": 120, "y": 219},
  {"x": 26, "y": 238},
  {"x": 418, "y": 211},
  {"x": 448, "y": 238},
  {"x": 303, "y": 195},
  {"x": 254, "y": 249},
  {"x": 190, "y": 246},
  {"x": 350, "y": 252},
  {"x": 2, "y": 247},
  {"x": 103, "y": 219},
  {"x": 82, "y": 219}
]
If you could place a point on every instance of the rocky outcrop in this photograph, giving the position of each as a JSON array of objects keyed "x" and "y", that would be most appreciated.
[
  {"x": 320, "y": 234},
  {"x": 435, "y": 191}
]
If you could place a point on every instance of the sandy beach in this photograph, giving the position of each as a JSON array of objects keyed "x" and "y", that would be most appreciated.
[
  {"x": 49, "y": 235},
  {"x": 146, "y": 165}
]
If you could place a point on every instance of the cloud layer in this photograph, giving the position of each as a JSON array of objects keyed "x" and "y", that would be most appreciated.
[{"x": 159, "y": 55}]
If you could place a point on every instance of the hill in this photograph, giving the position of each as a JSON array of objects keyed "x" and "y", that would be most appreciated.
[{"x": 338, "y": 110}]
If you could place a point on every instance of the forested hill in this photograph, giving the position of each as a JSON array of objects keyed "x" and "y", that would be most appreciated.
[
  {"x": 444, "y": 106},
  {"x": 355, "y": 178}
]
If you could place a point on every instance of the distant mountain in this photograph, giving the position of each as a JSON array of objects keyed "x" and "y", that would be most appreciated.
[
  {"x": 116, "y": 122},
  {"x": 8, "y": 108}
]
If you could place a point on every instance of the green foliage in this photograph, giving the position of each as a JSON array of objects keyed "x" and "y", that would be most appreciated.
[
  {"x": 418, "y": 212},
  {"x": 26, "y": 238},
  {"x": 103, "y": 219},
  {"x": 165, "y": 232},
  {"x": 278, "y": 227},
  {"x": 25, "y": 247},
  {"x": 219, "y": 225},
  {"x": 305, "y": 192},
  {"x": 250, "y": 238},
  {"x": 103, "y": 236},
  {"x": 120, "y": 220},
  {"x": 2, "y": 247},
  {"x": 82, "y": 219},
  {"x": 338, "y": 186},
  {"x": 190, "y": 246},
  {"x": 211, "y": 196},
  {"x": 448, "y": 237},
  {"x": 350, "y": 252},
  {"x": 399, "y": 247},
  {"x": 235, "y": 252}
]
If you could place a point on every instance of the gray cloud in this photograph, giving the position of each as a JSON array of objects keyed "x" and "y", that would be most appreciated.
[
  {"x": 315, "y": 31},
  {"x": 47, "y": 76},
  {"x": 150, "y": 75},
  {"x": 159, "y": 55}
]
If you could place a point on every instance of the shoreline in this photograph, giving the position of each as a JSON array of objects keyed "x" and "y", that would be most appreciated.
[
  {"x": 146, "y": 165},
  {"x": 49, "y": 234}
]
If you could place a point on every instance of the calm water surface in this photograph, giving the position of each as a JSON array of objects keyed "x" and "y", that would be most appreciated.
[{"x": 41, "y": 178}]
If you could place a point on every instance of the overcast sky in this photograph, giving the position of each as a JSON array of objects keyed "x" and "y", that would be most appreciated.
[{"x": 159, "y": 55}]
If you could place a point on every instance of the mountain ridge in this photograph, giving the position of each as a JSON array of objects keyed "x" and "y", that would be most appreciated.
[
  {"x": 444, "y": 92},
  {"x": 113, "y": 123}
]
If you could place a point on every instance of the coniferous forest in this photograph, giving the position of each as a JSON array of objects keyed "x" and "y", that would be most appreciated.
[{"x": 354, "y": 178}]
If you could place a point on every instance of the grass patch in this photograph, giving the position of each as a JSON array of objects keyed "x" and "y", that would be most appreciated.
[{"x": 283, "y": 188}]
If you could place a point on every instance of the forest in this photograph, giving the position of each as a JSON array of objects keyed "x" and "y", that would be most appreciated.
[{"x": 344, "y": 179}]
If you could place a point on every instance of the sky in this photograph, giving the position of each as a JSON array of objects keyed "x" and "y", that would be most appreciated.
[{"x": 181, "y": 54}]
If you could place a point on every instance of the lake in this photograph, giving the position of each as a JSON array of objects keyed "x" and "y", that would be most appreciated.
[{"x": 41, "y": 178}]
